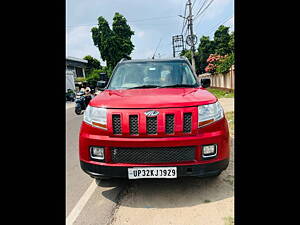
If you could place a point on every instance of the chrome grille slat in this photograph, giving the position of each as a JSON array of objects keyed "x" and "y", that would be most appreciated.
[{"x": 136, "y": 123}]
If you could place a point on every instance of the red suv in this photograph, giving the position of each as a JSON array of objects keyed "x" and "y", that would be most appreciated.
[{"x": 154, "y": 119}]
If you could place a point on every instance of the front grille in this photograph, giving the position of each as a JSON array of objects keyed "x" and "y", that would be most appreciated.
[
  {"x": 153, "y": 155},
  {"x": 151, "y": 125},
  {"x": 133, "y": 124},
  {"x": 169, "y": 123},
  {"x": 187, "y": 122},
  {"x": 116, "y": 124}
]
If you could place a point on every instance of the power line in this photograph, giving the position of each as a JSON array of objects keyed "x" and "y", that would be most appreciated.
[
  {"x": 156, "y": 48},
  {"x": 212, "y": 29},
  {"x": 153, "y": 18},
  {"x": 199, "y": 14},
  {"x": 184, "y": 19},
  {"x": 199, "y": 3},
  {"x": 193, "y": 3},
  {"x": 201, "y": 7},
  {"x": 190, "y": 27}
]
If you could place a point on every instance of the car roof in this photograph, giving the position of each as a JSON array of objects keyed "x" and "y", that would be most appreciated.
[{"x": 154, "y": 60}]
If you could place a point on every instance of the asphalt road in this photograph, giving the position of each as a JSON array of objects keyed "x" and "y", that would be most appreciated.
[
  {"x": 83, "y": 206},
  {"x": 120, "y": 201}
]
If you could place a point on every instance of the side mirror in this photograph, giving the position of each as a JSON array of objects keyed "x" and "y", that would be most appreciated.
[
  {"x": 101, "y": 84},
  {"x": 103, "y": 76},
  {"x": 205, "y": 82}
]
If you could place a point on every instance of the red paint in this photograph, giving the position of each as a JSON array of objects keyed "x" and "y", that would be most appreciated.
[
  {"x": 165, "y": 100},
  {"x": 153, "y": 98}
]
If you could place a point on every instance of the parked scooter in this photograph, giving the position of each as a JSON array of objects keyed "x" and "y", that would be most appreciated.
[
  {"x": 70, "y": 95},
  {"x": 82, "y": 102}
]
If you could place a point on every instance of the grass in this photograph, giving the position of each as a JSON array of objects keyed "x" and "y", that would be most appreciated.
[
  {"x": 230, "y": 119},
  {"x": 229, "y": 220},
  {"x": 221, "y": 93}
]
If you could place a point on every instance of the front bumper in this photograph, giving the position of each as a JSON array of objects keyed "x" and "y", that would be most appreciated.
[
  {"x": 216, "y": 133},
  {"x": 200, "y": 170}
]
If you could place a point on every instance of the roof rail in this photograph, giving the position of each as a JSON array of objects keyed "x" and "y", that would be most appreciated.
[
  {"x": 183, "y": 57},
  {"x": 123, "y": 59}
]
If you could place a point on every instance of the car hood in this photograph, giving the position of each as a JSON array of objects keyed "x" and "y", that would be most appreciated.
[{"x": 153, "y": 98}]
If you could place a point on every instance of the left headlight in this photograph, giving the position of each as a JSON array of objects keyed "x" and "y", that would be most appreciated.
[
  {"x": 95, "y": 117},
  {"x": 210, "y": 113}
]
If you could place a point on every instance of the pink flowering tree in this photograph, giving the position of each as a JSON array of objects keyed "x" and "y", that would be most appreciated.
[{"x": 213, "y": 61}]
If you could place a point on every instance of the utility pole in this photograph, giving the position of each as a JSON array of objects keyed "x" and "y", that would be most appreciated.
[{"x": 190, "y": 26}]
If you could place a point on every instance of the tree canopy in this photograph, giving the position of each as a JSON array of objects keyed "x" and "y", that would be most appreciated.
[
  {"x": 113, "y": 44},
  {"x": 93, "y": 64},
  {"x": 221, "y": 45},
  {"x": 221, "y": 39},
  {"x": 206, "y": 47}
]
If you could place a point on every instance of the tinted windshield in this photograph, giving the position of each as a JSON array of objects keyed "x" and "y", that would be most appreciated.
[{"x": 152, "y": 74}]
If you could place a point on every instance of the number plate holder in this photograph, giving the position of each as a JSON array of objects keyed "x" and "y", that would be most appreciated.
[{"x": 152, "y": 172}]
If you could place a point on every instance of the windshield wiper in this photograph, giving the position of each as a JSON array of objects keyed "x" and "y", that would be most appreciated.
[
  {"x": 145, "y": 86},
  {"x": 179, "y": 85}
]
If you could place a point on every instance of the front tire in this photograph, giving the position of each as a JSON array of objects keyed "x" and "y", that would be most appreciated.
[{"x": 102, "y": 181}]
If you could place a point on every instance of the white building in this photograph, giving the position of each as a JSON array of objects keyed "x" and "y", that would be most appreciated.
[{"x": 76, "y": 66}]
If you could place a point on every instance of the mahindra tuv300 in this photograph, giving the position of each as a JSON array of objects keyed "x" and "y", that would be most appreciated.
[{"x": 154, "y": 119}]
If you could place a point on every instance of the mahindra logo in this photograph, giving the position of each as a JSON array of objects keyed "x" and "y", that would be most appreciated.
[{"x": 151, "y": 113}]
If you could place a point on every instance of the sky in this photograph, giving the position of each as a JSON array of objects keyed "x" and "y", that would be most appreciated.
[{"x": 153, "y": 21}]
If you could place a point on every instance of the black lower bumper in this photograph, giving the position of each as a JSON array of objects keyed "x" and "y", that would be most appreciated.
[{"x": 202, "y": 170}]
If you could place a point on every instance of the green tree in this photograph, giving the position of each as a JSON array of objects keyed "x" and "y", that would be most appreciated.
[
  {"x": 188, "y": 55},
  {"x": 224, "y": 65},
  {"x": 221, "y": 39},
  {"x": 92, "y": 64},
  {"x": 206, "y": 47},
  {"x": 231, "y": 42},
  {"x": 113, "y": 44},
  {"x": 94, "y": 76}
]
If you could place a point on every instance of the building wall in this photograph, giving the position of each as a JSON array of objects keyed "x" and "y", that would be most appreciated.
[
  {"x": 78, "y": 70},
  {"x": 221, "y": 80}
]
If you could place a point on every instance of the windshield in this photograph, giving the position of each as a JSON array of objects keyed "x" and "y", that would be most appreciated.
[{"x": 152, "y": 75}]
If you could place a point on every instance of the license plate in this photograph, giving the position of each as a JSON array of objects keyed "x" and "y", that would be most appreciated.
[{"x": 152, "y": 172}]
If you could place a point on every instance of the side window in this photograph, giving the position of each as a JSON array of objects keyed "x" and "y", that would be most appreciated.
[{"x": 186, "y": 75}]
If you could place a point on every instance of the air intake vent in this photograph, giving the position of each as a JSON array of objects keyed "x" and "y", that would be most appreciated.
[
  {"x": 151, "y": 125},
  {"x": 116, "y": 124},
  {"x": 134, "y": 124},
  {"x": 169, "y": 123},
  {"x": 187, "y": 122},
  {"x": 153, "y": 154}
]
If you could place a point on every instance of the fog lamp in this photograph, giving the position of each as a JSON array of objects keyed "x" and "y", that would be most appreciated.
[
  {"x": 97, "y": 153},
  {"x": 209, "y": 151}
]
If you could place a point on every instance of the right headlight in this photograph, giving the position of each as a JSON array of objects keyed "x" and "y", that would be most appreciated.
[
  {"x": 95, "y": 117},
  {"x": 210, "y": 113}
]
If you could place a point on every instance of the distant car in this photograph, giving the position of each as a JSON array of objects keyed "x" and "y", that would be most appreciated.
[{"x": 154, "y": 120}]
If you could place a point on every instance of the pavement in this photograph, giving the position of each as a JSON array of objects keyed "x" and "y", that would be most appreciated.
[
  {"x": 227, "y": 104},
  {"x": 189, "y": 200},
  {"x": 70, "y": 105},
  {"x": 86, "y": 202},
  {"x": 183, "y": 201}
]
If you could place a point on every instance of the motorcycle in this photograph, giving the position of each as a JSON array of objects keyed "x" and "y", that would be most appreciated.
[
  {"x": 70, "y": 95},
  {"x": 82, "y": 102}
]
